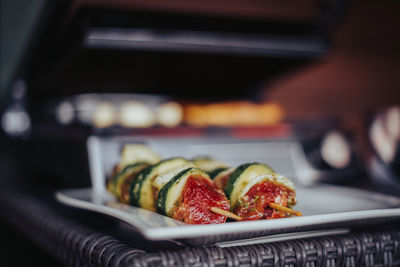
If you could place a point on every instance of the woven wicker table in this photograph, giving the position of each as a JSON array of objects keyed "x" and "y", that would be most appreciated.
[{"x": 81, "y": 238}]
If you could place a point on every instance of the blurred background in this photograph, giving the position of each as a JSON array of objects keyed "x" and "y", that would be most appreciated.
[{"x": 320, "y": 75}]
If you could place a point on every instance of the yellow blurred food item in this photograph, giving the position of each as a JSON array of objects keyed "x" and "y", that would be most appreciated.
[
  {"x": 169, "y": 114},
  {"x": 136, "y": 115},
  {"x": 238, "y": 113},
  {"x": 104, "y": 115}
]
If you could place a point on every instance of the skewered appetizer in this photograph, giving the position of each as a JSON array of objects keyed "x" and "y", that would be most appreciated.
[
  {"x": 134, "y": 153},
  {"x": 143, "y": 192},
  {"x": 256, "y": 192},
  {"x": 190, "y": 196},
  {"x": 211, "y": 166},
  {"x": 134, "y": 158},
  {"x": 121, "y": 182},
  {"x": 183, "y": 189},
  {"x": 139, "y": 183}
]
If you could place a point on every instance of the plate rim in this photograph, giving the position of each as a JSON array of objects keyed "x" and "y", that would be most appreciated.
[{"x": 187, "y": 231}]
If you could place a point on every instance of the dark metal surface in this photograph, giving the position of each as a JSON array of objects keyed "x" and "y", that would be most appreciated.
[{"x": 204, "y": 42}]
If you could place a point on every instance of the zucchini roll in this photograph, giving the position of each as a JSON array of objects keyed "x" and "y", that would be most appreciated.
[
  {"x": 134, "y": 158},
  {"x": 190, "y": 196},
  {"x": 125, "y": 179},
  {"x": 133, "y": 153},
  {"x": 143, "y": 193},
  {"x": 256, "y": 192},
  {"x": 184, "y": 190},
  {"x": 212, "y": 166}
]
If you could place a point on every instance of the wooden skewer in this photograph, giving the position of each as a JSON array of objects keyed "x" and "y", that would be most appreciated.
[
  {"x": 285, "y": 209},
  {"x": 226, "y": 213}
]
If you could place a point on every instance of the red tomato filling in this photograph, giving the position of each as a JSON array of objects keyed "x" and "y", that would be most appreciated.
[
  {"x": 198, "y": 196},
  {"x": 221, "y": 182},
  {"x": 254, "y": 205}
]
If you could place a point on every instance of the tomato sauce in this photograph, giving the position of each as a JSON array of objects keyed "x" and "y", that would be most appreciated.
[
  {"x": 198, "y": 196},
  {"x": 255, "y": 204}
]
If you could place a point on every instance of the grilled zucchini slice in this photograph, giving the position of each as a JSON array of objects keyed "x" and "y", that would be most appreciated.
[
  {"x": 142, "y": 194},
  {"x": 210, "y": 165},
  {"x": 217, "y": 171},
  {"x": 126, "y": 177},
  {"x": 124, "y": 174},
  {"x": 163, "y": 179},
  {"x": 133, "y": 153},
  {"x": 113, "y": 183},
  {"x": 169, "y": 194},
  {"x": 243, "y": 175}
]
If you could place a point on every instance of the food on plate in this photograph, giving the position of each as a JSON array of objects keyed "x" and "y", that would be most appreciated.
[
  {"x": 133, "y": 153},
  {"x": 124, "y": 180},
  {"x": 256, "y": 192},
  {"x": 189, "y": 197},
  {"x": 203, "y": 190},
  {"x": 143, "y": 193},
  {"x": 241, "y": 176},
  {"x": 212, "y": 166},
  {"x": 221, "y": 179}
]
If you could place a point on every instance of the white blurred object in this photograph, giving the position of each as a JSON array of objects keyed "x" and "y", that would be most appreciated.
[
  {"x": 385, "y": 134},
  {"x": 169, "y": 114},
  {"x": 332, "y": 158},
  {"x": 136, "y": 114},
  {"x": 85, "y": 106},
  {"x": 393, "y": 123},
  {"x": 335, "y": 150},
  {"x": 382, "y": 144},
  {"x": 305, "y": 172},
  {"x": 65, "y": 113},
  {"x": 126, "y": 110},
  {"x": 16, "y": 122},
  {"x": 104, "y": 115}
]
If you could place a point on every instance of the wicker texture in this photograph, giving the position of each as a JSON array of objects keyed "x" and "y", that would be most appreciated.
[
  {"x": 204, "y": 241},
  {"x": 71, "y": 243},
  {"x": 377, "y": 249},
  {"x": 76, "y": 245}
]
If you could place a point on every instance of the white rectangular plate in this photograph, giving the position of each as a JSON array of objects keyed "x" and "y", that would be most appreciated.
[{"x": 324, "y": 207}]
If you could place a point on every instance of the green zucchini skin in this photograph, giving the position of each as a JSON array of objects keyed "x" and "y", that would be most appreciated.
[
  {"x": 234, "y": 176},
  {"x": 126, "y": 179},
  {"x": 211, "y": 166},
  {"x": 237, "y": 175},
  {"x": 215, "y": 172},
  {"x": 117, "y": 176},
  {"x": 136, "y": 191},
  {"x": 163, "y": 194},
  {"x": 136, "y": 186}
]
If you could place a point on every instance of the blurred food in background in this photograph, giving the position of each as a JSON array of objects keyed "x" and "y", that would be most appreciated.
[
  {"x": 118, "y": 110},
  {"x": 330, "y": 157},
  {"x": 237, "y": 113},
  {"x": 384, "y": 137},
  {"x": 145, "y": 111},
  {"x": 298, "y": 76}
]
